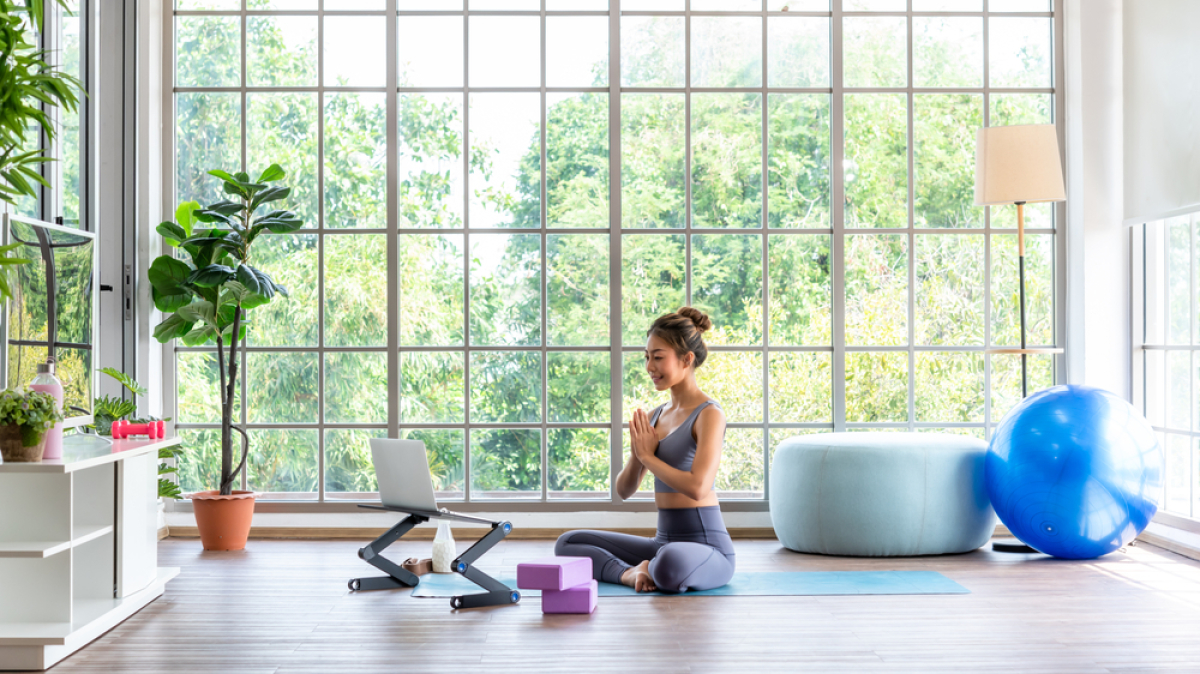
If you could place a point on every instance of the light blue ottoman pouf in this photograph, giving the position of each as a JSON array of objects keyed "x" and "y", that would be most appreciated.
[{"x": 880, "y": 494}]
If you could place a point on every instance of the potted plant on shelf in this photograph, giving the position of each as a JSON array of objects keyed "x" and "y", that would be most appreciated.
[
  {"x": 205, "y": 297},
  {"x": 107, "y": 409},
  {"x": 25, "y": 416}
]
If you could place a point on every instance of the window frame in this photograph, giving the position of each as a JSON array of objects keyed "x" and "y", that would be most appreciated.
[{"x": 617, "y": 350}]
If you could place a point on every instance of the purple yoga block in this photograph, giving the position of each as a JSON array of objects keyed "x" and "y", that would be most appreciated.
[
  {"x": 579, "y": 599},
  {"x": 554, "y": 573}
]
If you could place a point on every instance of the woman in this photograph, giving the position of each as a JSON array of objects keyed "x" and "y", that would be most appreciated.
[{"x": 680, "y": 443}]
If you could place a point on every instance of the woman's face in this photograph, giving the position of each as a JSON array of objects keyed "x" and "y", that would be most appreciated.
[{"x": 664, "y": 367}]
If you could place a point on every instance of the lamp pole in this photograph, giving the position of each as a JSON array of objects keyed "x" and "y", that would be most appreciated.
[{"x": 1021, "y": 273}]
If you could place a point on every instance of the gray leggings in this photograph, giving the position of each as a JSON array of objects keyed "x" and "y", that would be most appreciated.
[{"x": 692, "y": 550}]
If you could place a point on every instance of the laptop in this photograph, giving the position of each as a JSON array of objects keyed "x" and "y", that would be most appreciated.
[{"x": 405, "y": 484}]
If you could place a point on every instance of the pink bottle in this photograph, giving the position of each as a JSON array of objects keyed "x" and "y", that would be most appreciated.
[{"x": 46, "y": 382}]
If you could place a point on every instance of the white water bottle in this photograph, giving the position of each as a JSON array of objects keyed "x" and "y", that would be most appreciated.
[
  {"x": 443, "y": 548},
  {"x": 46, "y": 382}
]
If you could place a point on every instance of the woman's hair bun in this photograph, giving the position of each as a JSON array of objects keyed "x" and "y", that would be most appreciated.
[{"x": 701, "y": 320}]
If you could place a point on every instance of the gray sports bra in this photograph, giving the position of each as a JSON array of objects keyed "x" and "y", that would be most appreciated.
[{"x": 678, "y": 449}]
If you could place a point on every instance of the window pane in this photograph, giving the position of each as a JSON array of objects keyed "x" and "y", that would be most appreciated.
[
  {"x": 576, "y": 51},
  {"x": 877, "y": 387},
  {"x": 801, "y": 387},
  {"x": 735, "y": 380},
  {"x": 200, "y": 465},
  {"x": 726, "y": 51},
  {"x": 344, "y": 5},
  {"x": 444, "y": 450},
  {"x": 579, "y": 388},
  {"x": 405, "y": 5},
  {"x": 1039, "y": 290},
  {"x": 1019, "y": 6},
  {"x": 432, "y": 388},
  {"x": 726, "y": 5},
  {"x": 208, "y": 4},
  {"x": 876, "y": 160},
  {"x": 1006, "y": 380},
  {"x": 1179, "y": 280},
  {"x": 727, "y": 285},
  {"x": 198, "y": 390},
  {"x": 291, "y": 260},
  {"x": 1019, "y": 52},
  {"x": 505, "y": 179},
  {"x": 506, "y": 462},
  {"x": 741, "y": 471},
  {"x": 70, "y": 167},
  {"x": 876, "y": 290},
  {"x": 355, "y": 160},
  {"x": 797, "y": 51},
  {"x": 948, "y": 6},
  {"x": 798, "y": 161},
  {"x": 208, "y": 132},
  {"x": 282, "y": 129},
  {"x": 528, "y": 5},
  {"x": 652, "y": 5},
  {"x": 208, "y": 51},
  {"x": 506, "y": 386},
  {"x": 355, "y": 290},
  {"x": 577, "y": 289},
  {"x": 801, "y": 290},
  {"x": 874, "y": 5},
  {"x": 875, "y": 51},
  {"x": 580, "y": 465},
  {"x": 944, "y": 159},
  {"x": 348, "y": 464},
  {"x": 356, "y": 388},
  {"x": 430, "y": 190},
  {"x": 652, "y": 160},
  {"x": 652, "y": 281},
  {"x": 1178, "y": 486},
  {"x": 506, "y": 289},
  {"x": 285, "y": 4},
  {"x": 504, "y": 51},
  {"x": 577, "y": 5},
  {"x": 652, "y": 51},
  {"x": 285, "y": 461},
  {"x": 949, "y": 387},
  {"x": 431, "y": 51},
  {"x": 798, "y": 5},
  {"x": 282, "y": 387},
  {"x": 1009, "y": 109},
  {"x": 726, "y": 160},
  {"x": 431, "y": 289},
  {"x": 1179, "y": 374},
  {"x": 949, "y": 292},
  {"x": 281, "y": 51},
  {"x": 577, "y": 160},
  {"x": 355, "y": 51},
  {"x": 947, "y": 52}
]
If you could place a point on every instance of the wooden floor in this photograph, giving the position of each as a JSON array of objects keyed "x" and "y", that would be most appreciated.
[{"x": 282, "y": 607}]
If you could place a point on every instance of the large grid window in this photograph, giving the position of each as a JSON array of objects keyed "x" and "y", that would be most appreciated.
[
  {"x": 532, "y": 182},
  {"x": 1167, "y": 366}
]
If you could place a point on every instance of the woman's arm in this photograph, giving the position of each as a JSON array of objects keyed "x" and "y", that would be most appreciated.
[
  {"x": 630, "y": 477},
  {"x": 697, "y": 482}
]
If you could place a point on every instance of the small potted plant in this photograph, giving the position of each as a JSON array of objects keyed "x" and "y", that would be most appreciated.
[
  {"x": 25, "y": 416},
  {"x": 206, "y": 289}
]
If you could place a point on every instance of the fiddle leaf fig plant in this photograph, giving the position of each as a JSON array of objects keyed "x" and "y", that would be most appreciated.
[{"x": 207, "y": 289}]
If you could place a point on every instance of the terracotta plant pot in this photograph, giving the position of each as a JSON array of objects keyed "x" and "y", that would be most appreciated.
[
  {"x": 223, "y": 521},
  {"x": 13, "y": 448}
]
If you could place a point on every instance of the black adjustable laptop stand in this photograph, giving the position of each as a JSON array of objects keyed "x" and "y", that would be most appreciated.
[{"x": 496, "y": 594}]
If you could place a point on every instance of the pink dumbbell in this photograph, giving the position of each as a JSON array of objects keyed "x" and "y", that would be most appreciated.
[{"x": 156, "y": 430}]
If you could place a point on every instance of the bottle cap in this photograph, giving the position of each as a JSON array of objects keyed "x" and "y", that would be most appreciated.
[{"x": 45, "y": 367}]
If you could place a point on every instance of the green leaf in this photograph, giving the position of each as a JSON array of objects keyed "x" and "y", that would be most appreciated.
[
  {"x": 172, "y": 327},
  {"x": 212, "y": 275},
  {"x": 198, "y": 311},
  {"x": 272, "y": 173},
  {"x": 268, "y": 195},
  {"x": 183, "y": 215},
  {"x": 199, "y": 335},
  {"x": 168, "y": 281},
  {"x": 256, "y": 281},
  {"x": 125, "y": 380},
  {"x": 173, "y": 233}
]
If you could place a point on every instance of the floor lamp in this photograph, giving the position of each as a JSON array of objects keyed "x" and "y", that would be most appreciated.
[{"x": 1018, "y": 165}]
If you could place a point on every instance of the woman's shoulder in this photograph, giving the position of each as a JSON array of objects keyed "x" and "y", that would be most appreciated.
[{"x": 711, "y": 409}]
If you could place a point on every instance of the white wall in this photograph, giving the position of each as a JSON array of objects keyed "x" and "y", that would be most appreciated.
[
  {"x": 1162, "y": 108},
  {"x": 1098, "y": 267}
]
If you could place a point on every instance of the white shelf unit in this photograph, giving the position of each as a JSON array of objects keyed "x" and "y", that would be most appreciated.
[{"x": 78, "y": 548}]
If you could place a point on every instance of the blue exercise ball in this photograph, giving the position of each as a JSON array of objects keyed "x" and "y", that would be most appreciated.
[{"x": 1074, "y": 472}]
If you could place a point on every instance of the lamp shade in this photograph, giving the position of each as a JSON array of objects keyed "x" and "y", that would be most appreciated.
[{"x": 1017, "y": 163}]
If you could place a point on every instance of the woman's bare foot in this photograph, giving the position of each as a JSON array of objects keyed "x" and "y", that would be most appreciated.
[{"x": 638, "y": 577}]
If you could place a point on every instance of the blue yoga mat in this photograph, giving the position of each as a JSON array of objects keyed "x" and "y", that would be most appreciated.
[{"x": 746, "y": 584}]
